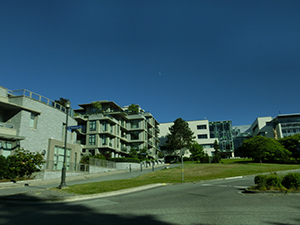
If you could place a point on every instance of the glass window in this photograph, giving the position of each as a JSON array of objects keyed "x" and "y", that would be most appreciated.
[
  {"x": 92, "y": 125},
  {"x": 134, "y": 124},
  {"x": 92, "y": 139},
  {"x": 33, "y": 120},
  {"x": 201, "y": 127},
  {"x": 59, "y": 158},
  {"x": 202, "y": 136},
  {"x": 104, "y": 141},
  {"x": 105, "y": 127},
  {"x": 135, "y": 135}
]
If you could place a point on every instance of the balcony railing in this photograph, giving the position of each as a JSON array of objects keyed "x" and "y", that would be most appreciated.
[
  {"x": 7, "y": 125},
  {"x": 40, "y": 98}
]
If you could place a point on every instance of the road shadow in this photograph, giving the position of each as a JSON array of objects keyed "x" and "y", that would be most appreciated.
[{"x": 34, "y": 212}]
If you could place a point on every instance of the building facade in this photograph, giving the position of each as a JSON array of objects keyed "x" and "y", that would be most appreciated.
[
  {"x": 35, "y": 123},
  {"x": 113, "y": 130},
  {"x": 205, "y": 134}
]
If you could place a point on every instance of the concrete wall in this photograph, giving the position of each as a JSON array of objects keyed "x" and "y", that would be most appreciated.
[{"x": 50, "y": 125}]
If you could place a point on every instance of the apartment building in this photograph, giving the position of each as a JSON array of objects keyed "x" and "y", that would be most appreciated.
[
  {"x": 114, "y": 130},
  {"x": 36, "y": 123}
]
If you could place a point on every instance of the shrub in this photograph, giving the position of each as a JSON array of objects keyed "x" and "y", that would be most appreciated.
[
  {"x": 273, "y": 181},
  {"x": 291, "y": 180},
  {"x": 4, "y": 172},
  {"x": 260, "y": 181},
  {"x": 24, "y": 163}
]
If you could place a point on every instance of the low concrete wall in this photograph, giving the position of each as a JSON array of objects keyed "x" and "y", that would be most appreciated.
[
  {"x": 97, "y": 169},
  {"x": 126, "y": 165},
  {"x": 47, "y": 175}
]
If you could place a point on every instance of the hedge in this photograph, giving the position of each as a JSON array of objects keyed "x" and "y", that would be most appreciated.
[{"x": 273, "y": 181}]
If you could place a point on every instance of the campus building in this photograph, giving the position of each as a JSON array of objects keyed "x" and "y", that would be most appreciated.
[
  {"x": 112, "y": 130},
  {"x": 206, "y": 133},
  {"x": 280, "y": 126},
  {"x": 36, "y": 123}
]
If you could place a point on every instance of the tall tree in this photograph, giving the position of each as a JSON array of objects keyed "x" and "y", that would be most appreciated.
[
  {"x": 180, "y": 137},
  {"x": 217, "y": 154}
]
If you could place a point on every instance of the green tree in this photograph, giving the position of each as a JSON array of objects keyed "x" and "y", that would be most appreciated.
[
  {"x": 180, "y": 137},
  {"x": 261, "y": 148},
  {"x": 217, "y": 154},
  {"x": 292, "y": 144},
  {"x": 133, "y": 153},
  {"x": 133, "y": 109},
  {"x": 97, "y": 106},
  {"x": 197, "y": 152},
  {"x": 62, "y": 101},
  {"x": 143, "y": 153}
]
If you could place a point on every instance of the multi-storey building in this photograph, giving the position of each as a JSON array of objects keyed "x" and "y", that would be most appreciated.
[
  {"x": 35, "y": 123},
  {"x": 206, "y": 133},
  {"x": 113, "y": 130},
  {"x": 280, "y": 126}
]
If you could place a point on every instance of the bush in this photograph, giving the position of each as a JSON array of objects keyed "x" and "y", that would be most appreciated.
[
  {"x": 22, "y": 164},
  {"x": 4, "y": 172},
  {"x": 267, "y": 182},
  {"x": 260, "y": 181},
  {"x": 291, "y": 181},
  {"x": 205, "y": 159}
]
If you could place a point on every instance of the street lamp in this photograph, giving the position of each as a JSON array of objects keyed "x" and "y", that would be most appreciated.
[{"x": 63, "y": 170}]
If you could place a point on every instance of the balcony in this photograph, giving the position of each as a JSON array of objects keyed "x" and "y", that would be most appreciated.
[{"x": 7, "y": 129}]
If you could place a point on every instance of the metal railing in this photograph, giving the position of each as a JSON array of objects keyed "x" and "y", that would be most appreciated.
[
  {"x": 102, "y": 163},
  {"x": 51, "y": 165},
  {"x": 40, "y": 98}
]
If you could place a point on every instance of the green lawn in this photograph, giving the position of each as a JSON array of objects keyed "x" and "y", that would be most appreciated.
[{"x": 192, "y": 173}]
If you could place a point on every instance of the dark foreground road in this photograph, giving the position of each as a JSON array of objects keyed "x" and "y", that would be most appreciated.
[{"x": 213, "y": 202}]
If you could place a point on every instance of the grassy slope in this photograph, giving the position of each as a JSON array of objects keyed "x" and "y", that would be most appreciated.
[{"x": 192, "y": 173}]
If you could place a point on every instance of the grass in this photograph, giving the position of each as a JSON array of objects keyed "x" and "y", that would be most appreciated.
[{"x": 192, "y": 173}]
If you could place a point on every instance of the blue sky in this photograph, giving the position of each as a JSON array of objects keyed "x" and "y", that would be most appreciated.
[{"x": 219, "y": 60}]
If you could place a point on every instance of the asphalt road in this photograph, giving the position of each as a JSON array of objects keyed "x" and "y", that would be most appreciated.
[{"x": 211, "y": 202}]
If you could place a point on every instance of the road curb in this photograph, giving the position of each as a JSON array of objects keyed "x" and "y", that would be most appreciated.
[{"x": 61, "y": 199}]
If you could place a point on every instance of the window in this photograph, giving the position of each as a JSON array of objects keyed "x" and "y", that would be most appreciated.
[
  {"x": 201, "y": 127},
  {"x": 59, "y": 158},
  {"x": 7, "y": 147},
  {"x": 105, "y": 127},
  {"x": 135, "y": 135},
  {"x": 202, "y": 136},
  {"x": 33, "y": 120},
  {"x": 104, "y": 140},
  {"x": 93, "y": 125},
  {"x": 92, "y": 139},
  {"x": 134, "y": 124}
]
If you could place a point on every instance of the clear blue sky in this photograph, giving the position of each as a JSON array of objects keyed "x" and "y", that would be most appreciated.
[{"x": 219, "y": 60}]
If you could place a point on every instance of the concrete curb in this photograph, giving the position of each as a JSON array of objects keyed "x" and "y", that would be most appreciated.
[{"x": 60, "y": 198}]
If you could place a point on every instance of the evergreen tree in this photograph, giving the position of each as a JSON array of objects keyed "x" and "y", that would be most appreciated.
[{"x": 180, "y": 137}]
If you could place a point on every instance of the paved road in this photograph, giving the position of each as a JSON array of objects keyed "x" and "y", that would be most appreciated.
[{"x": 211, "y": 202}]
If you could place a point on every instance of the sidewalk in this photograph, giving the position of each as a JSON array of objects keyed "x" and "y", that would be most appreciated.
[{"x": 39, "y": 190}]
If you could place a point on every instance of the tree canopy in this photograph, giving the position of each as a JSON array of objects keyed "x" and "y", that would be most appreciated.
[
  {"x": 261, "y": 148},
  {"x": 197, "y": 152},
  {"x": 133, "y": 109},
  {"x": 292, "y": 144},
  {"x": 180, "y": 137}
]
